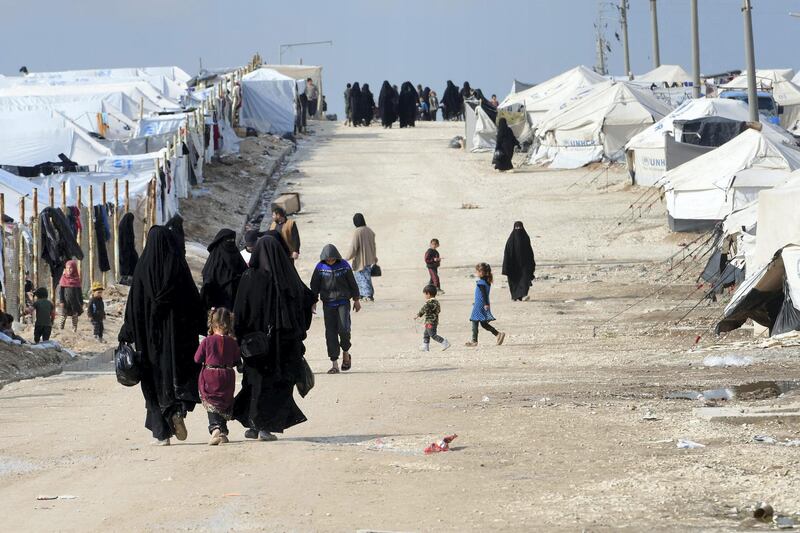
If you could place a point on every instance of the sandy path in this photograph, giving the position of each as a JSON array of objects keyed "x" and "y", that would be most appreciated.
[{"x": 551, "y": 428}]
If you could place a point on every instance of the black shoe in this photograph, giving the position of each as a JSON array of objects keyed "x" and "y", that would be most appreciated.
[{"x": 251, "y": 434}]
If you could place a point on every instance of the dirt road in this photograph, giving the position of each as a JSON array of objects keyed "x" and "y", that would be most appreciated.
[{"x": 565, "y": 427}]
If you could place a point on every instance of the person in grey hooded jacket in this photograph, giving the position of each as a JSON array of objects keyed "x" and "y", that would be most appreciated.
[{"x": 334, "y": 283}]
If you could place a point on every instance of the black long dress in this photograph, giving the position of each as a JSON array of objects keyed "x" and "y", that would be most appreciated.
[
  {"x": 518, "y": 262},
  {"x": 367, "y": 105},
  {"x": 163, "y": 319},
  {"x": 407, "y": 105},
  {"x": 504, "y": 149},
  {"x": 128, "y": 256},
  {"x": 272, "y": 297},
  {"x": 451, "y": 101},
  {"x": 387, "y": 105},
  {"x": 355, "y": 105},
  {"x": 222, "y": 271}
]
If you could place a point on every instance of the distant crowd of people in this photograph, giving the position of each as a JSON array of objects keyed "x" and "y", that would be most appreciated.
[{"x": 408, "y": 104}]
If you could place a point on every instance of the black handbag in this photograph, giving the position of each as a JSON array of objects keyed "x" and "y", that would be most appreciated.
[
  {"x": 128, "y": 365},
  {"x": 256, "y": 344},
  {"x": 376, "y": 272},
  {"x": 305, "y": 381}
]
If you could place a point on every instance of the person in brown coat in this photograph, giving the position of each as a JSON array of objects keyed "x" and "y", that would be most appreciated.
[
  {"x": 362, "y": 257},
  {"x": 288, "y": 230}
]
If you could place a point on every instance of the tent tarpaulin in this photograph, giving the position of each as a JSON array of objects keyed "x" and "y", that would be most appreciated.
[
  {"x": 765, "y": 78},
  {"x": 778, "y": 221},
  {"x": 302, "y": 72},
  {"x": 595, "y": 126},
  {"x": 669, "y": 74},
  {"x": 268, "y": 102}
]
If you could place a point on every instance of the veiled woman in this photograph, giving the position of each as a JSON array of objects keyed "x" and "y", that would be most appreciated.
[
  {"x": 519, "y": 264},
  {"x": 222, "y": 271},
  {"x": 363, "y": 256},
  {"x": 407, "y": 105},
  {"x": 387, "y": 105},
  {"x": 451, "y": 102},
  {"x": 163, "y": 319},
  {"x": 367, "y": 105},
  {"x": 504, "y": 149},
  {"x": 272, "y": 299},
  {"x": 355, "y": 105}
]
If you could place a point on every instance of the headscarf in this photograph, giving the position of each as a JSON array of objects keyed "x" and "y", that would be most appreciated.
[
  {"x": 329, "y": 251},
  {"x": 466, "y": 90},
  {"x": 175, "y": 227},
  {"x": 518, "y": 259},
  {"x": 358, "y": 220},
  {"x": 222, "y": 271},
  {"x": 71, "y": 277},
  {"x": 451, "y": 100}
]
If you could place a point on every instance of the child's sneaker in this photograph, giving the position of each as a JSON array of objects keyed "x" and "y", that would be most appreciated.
[
  {"x": 471, "y": 344},
  {"x": 216, "y": 437},
  {"x": 161, "y": 442},
  {"x": 445, "y": 345},
  {"x": 425, "y": 348},
  {"x": 500, "y": 338}
]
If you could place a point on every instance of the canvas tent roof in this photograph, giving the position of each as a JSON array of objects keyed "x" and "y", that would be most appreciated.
[
  {"x": 544, "y": 96},
  {"x": 596, "y": 125},
  {"x": 30, "y": 138},
  {"x": 665, "y": 74},
  {"x": 764, "y": 78},
  {"x": 173, "y": 73},
  {"x": 268, "y": 101}
]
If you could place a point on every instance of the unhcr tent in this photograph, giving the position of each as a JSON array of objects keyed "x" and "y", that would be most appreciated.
[
  {"x": 646, "y": 152},
  {"x": 596, "y": 126},
  {"x": 302, "y": 72},
  {"x": 268, "y": 102},
  {"x": 669, "y": 74},
  {"x": 703, "y": 191},
  {"x": 765, "y": 78}
]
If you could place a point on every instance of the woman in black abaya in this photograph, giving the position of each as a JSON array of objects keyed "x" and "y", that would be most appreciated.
[
  {"x": 367, "y": 105},
  {"x": 271, "y": 298},
  {"x": 451, "y": 102},
  {"x": 504, "y": 149},
  {"x": 519, "y": 264},
  {"x": 222, "y": 271},
  {"x": 355, "y": 105},
  {"x": 407, "y": 105},
  {"x": 163, "y": 319},
  {"x": 387, "y": 105}
]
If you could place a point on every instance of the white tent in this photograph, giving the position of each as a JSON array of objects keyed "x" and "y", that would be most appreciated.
[
  {"x": 268, "y": 101},
  {"x": 480, "y": 130},
  {"x": 646, "y": 151},
  {"x": 30, "y": 138},
  {"x": 669, "y": 74},
  {"x": 706, "y": 189},
  {"x": 765, "y": 78},
  {"x": 778, "y": 221},
  {"x": 545, "y": 96},
  {"x": 302, "y": 72},
  {"x": 596, "y": 126}
]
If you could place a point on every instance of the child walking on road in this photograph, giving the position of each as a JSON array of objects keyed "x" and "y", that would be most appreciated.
[
  {"x": 219, "y": 354},
  {"x": 431, "y": 311},
  {"x": 333, "y": 281},
  {"x": 481, "y": 308},
  {"x": 433, "y": 260},
  {"x": 43, "y": 307},
  {"x": 70, "y": 294},
  {"x": 96, "y": 310}
]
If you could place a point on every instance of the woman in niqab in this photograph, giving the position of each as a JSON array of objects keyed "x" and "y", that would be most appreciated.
[
  {"x": 272, "y": 299},
  {"x": 222, "y": 271},
  {"x": 163, "y": 319},
  {"x": 367, "y": 105},
  {"x": 407, "y": 105},
  {"x": 466, "y": 91},
  {"x": 451, "y": 102},
  {"x": 519, "y": 264},
  {"x": 387, "y": 105},
  {"x": 504, "y": 149},
  {"x": 355, "y": 105}
]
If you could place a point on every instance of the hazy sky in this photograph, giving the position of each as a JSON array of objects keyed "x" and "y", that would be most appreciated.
[{"x": 487, "y": 42}]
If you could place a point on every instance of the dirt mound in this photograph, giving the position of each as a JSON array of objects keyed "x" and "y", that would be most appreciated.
[{"x": 23, "y": 362}]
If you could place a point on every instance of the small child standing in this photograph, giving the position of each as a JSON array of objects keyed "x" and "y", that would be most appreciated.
[
  {"x": 481, "y": 308},
  {"x": 96, "y": 310},
  {"x": 219, "y": 354},
  {"x": 70, "y": 294},
  {"x": 433, "y": 260},
  {"x": 43, "y": 323},
  {"x": 335, "y": 284},
  {"x": 431, "y": 311}
]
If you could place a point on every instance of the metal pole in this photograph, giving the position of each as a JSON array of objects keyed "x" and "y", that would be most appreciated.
[
  {"x": 623, "y": 20},
  {"x": 654, "y": 24},
  {"x": 750, "y": 60},
  {"x": 695, "y": 51}
]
